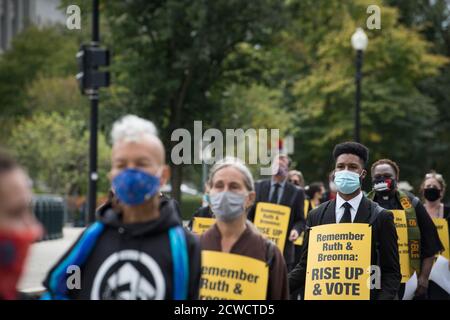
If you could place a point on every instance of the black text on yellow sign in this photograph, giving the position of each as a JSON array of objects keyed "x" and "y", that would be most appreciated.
[
  {"x": 442, "y": 228},
  {"x": 272, "y": 221},
  {"x": 227, "y": 276},
  {"x": 338, "y": 266},
  {"x": 200, "y": 225},
  {"x": 403, "y": 244}
]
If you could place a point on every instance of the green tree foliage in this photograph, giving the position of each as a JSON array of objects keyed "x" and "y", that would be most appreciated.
[
  {"x": 57, "y": 94},
  {"x": 238, "y": 64},
  {"x": 46, "y": 52},
  {"x": 432, "y": 20},
  {"x": 397, "y": 118},
  {"x": 54, "y": 149},
  {"x": 173, "y": 54}
]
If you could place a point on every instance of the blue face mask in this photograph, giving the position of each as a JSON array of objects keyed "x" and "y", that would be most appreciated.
[
  {"x": 133, "y": 187},
  {"x": 346, "y": 181}
]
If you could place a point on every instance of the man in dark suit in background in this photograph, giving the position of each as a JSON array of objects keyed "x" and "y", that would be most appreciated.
[
  {"x": 351, "y": 206},
  {"x": 278, "y": 190}
]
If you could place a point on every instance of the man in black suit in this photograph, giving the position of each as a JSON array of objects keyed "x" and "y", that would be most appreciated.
[
  {"x": 351, "y": 206},
  {"x": 278, "y": 190}
]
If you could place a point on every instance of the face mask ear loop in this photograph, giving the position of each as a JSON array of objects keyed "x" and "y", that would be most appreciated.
[{"x": 248, "y": 208}]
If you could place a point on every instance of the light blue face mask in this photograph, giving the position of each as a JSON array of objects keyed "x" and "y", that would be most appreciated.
[
  {"x": 346, "y": 181},
  {"x": 227, "y": 206}
]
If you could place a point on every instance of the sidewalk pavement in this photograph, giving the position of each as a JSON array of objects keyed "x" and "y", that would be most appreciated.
[{"x": 42, "y": 256}]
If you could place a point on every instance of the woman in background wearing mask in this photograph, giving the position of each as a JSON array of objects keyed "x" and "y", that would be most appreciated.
[
  {"x": 433, "y": 191},
  {"x": 296, "y": 178},
  {"x": 231, "y": 195}
]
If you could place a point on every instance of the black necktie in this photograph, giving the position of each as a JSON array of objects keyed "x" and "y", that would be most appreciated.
[
  {"x": 347, "y": 217},
  {"x": 275, "y": 193}
]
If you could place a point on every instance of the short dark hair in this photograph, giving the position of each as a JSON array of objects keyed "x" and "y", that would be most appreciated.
[
  {"x": 7, "y": 162},
  {"x": 313, "y": 188},
  {"x": 389, "y": 162},
  {"x": 355, "y": 148},
  {"x": 285, "y": 155}
]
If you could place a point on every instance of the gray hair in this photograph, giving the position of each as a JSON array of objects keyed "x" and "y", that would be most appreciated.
[
  {"x": 131, "y": 128},
  {"x": 236, "y": 164}
]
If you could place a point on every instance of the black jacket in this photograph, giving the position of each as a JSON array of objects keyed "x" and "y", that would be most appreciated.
[
  {"x": 292, "y": 197},
  {"x": 430, "y": 245},
  {"x": 384, "y": 246},
  {"x": 134, "y": 261}
]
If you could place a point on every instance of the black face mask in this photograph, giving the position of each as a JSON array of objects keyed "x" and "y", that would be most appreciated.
[
  {"x": 384, "y": 187},
  {"x": 432, "y": 194}
]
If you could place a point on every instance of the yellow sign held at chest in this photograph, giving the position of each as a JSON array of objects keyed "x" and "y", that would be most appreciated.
[
  {"x": 299, "y": 241},
  {"x": 442, "y": 228},
  {"x": 200, "y": 225},
  {"x": 227, "y": 276},
  {"x": 403, "y": 248},
  {"x": 306, "y": 207},
  {"x": 272, "y": 220},
  {"x": 339, "y": 263}
]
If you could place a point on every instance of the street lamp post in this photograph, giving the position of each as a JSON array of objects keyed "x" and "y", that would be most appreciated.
[
  {"x": 90, "y": 77},
  {"x": 93, "y": 97},
  {"x": 359, "y": 43}
]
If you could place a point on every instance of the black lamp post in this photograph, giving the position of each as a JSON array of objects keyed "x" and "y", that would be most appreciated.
[
  {"x": 90, "y": 59},
  {"x": 359, "y": 43}
]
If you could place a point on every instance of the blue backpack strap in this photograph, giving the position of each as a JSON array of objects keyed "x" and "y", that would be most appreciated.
[
  {"x": 77, "y": 256},
  {"x": 180, "y": 262}
]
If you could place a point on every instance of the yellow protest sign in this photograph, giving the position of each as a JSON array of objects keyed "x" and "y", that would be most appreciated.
[
  {"x": 299, "y": 241},
  {"x": 442, "y": 228},
  {"x": 403, "y": 248},
  {"x": 306, "y": 207},
  {"x": 338, "y": 266},
  {"x": 227, "y": 276},
  {"x": 200, "y": 225},
  {"x": 272, "y": 221}
]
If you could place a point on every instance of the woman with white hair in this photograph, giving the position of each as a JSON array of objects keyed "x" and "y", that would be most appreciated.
[
  {"x": 231, "y": 195},
  {"x": 138, "y": 249}
]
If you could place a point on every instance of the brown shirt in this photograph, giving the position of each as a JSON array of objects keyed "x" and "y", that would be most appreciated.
[{"x": 252, "y": 244}]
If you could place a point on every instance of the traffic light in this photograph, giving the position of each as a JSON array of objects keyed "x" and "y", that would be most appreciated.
[{"x": 90, "y": 59}]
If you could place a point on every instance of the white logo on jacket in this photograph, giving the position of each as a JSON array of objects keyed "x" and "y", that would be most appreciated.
[{"x": 129, "y": 275}]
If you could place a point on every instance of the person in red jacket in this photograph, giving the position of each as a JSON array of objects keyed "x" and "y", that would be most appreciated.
[{"x": 18, "y": 226}]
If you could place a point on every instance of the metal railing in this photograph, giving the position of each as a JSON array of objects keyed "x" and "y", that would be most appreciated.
[{"x": 50, "y": 210}]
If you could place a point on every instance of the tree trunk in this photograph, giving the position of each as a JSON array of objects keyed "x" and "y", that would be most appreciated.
[
  {"x": 175, "y": 180},
  {"x": 176, "y": 121}
]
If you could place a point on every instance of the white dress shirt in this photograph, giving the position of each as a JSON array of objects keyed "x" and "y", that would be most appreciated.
[{"x": 353, "y": 210}]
